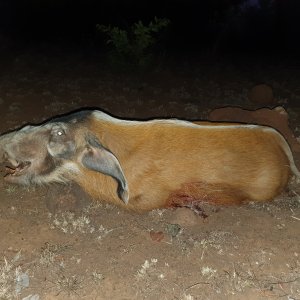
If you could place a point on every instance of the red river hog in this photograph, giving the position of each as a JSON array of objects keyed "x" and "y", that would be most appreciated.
[{"x": 144, "y": 165}]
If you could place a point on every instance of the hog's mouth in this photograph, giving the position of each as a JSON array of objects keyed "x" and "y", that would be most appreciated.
[{"x": 16, "y": 169}]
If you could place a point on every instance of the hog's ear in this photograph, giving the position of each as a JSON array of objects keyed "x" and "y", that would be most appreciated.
[{"x": 95, "y": 157}]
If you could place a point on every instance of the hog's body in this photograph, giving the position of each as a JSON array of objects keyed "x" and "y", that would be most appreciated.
[{"x": 153, "y": 164}]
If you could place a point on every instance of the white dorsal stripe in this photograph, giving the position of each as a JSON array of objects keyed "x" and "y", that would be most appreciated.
[{"x": 107, "y": 118}]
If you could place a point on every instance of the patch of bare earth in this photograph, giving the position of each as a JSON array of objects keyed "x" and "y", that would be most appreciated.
[{"x": 56, "y": 243}]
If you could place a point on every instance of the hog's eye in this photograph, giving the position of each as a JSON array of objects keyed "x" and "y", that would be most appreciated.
[{"x": 57, "y": 132}]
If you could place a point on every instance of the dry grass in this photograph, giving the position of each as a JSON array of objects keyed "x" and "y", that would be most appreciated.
[
  {"x": 97, "y": 277},
  {"x": 11, "y": 189},
  {"x": 69, "y": 285},
  {"x": 50, "y": 254},
  {"x": 146, "y": 268},
  {"x": 68, "y": 223},
  {"x": 9, "y": 274}
]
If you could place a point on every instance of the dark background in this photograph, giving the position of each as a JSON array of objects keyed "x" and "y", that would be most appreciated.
[{"x": 215, "y": 26}]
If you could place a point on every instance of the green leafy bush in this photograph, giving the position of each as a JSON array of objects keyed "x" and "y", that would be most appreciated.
[{"x": 133, "y": 46}]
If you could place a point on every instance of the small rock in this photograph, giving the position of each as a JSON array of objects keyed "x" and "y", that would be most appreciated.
[
  {"x": 156, "y": 236},
  {"x": 173, "y": 229},
  {"x": 185, "y": 217},
  {"x": 261, "y": 94},
  {"x": 22, "y": 281}
]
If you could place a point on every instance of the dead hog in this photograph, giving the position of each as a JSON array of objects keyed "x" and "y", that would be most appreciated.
[{"x": 143, "y": 165}]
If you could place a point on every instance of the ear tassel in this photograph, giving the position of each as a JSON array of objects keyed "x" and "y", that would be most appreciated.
[{"x": 123, "y": 193}]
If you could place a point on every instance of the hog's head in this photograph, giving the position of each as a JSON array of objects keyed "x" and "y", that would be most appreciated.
[{"x": 56, "y": 149}]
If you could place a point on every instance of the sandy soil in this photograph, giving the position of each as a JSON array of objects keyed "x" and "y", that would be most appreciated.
[{"x": 56, "y": 243}]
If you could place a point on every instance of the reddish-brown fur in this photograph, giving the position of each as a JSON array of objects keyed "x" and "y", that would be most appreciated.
[{"x": 167, "y": 164}]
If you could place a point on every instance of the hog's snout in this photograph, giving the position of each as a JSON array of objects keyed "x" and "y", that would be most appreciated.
[
  {"x": 14, "y": 170},
  {"x": 14, "y": 165}
]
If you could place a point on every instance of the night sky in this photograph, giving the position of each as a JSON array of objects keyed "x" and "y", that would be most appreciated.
[{"x": 222, "y": 25}]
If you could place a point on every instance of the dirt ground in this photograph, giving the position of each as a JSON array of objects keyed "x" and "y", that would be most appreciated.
[{"x": 56, "y": 243}]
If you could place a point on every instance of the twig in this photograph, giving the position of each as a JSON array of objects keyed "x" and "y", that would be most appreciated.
[
  {"x": 193, "y": 285},
  {"x": 204, "y": 248},
  {"x": 288, "y": 281}
]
